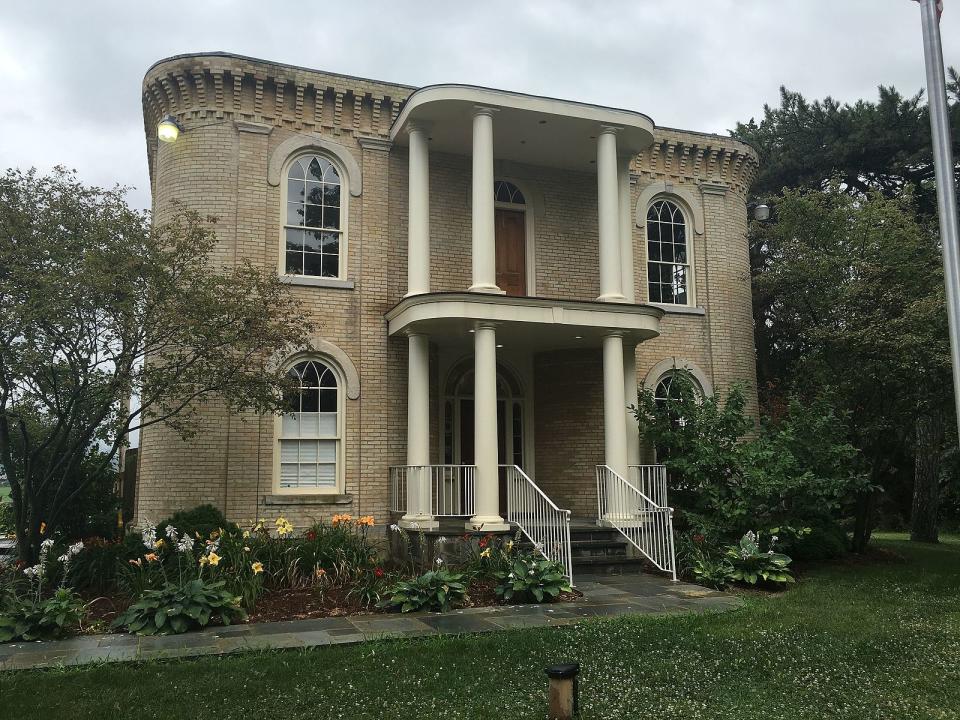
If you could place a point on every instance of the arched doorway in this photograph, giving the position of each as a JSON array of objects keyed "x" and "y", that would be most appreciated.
[
  {"x": 458, "y": 419},
  {"x": 510, "y": 224}
]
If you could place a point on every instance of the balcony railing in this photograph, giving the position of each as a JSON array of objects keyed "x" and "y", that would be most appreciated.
[{"x": 450, "y": 488}]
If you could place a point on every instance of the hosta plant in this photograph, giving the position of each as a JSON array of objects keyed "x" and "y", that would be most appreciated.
[
  {"x": 750, "y": 564},
  {"x": 531, "y": 578},
  {"x": 437, "y": 590},
  {"x": 30, "y": 618},
  {"x": 175, "y": 609}
]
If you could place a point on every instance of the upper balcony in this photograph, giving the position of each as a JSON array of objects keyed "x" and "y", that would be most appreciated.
[{"x": 491, "y": 125}]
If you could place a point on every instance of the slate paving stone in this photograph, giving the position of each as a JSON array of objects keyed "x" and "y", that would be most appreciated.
[
  {"x": 452, "y": 623},
  {"x": 605, "y": 596}
]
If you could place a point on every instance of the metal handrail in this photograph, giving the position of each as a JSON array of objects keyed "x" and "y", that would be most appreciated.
[
  {"x": 645, "y": 524},
  {"x": 651, "y": 480},
  {"x": 539, "y": 518}
]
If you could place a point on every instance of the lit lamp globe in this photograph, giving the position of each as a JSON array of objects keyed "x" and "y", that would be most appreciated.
[
  {"x": 168, "y": 129},
  {"x": 761, "y": 213}
]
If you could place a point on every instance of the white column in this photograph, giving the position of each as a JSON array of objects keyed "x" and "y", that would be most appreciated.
[
  {"x": 487, "y": 485},
  {"x": 418, "y": 514},
  {"x": 614, "y": 404},
  {"x": 628, "y": 281},
  {"x": 483, "y": 231},
  {"x": 418, "y": 222},
  {"x": 630, "y": 395},
  {"x": 608, "y": 203}
]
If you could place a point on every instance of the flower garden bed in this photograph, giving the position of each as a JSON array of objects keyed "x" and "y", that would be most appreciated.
[{"x": 198, "y": 570}]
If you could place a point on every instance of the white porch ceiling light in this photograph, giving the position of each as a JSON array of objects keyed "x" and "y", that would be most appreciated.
[
  {"x": 761, "y": 213},
  {"x": 168, "y": 129}
]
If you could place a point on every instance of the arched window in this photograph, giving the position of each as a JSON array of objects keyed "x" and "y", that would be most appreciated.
[
  {"x": 668, "y": 255},
  {"x": 670, "y": 389},
  {"x": 310, "y": 429},
  {"x": 507, "y": 192},
  {"x": 313, "y": 228}
]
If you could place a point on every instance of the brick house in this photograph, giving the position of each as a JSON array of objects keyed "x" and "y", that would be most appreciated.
[{"x": 492, "y": 274}]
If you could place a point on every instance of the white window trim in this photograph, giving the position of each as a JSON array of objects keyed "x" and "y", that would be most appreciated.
[
  {"x": 691, "y": 254},
  {"x": 339, "y": 474},
  {"x": 317, "y": 280}
]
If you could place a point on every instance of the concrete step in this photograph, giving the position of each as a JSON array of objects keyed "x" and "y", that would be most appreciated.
[{"x": 610, "y": 566}]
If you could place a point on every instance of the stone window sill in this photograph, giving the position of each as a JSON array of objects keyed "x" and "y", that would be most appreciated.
[
  {"x": 318, "y": 499},
  {"x": 317, "y": 281},
  {"x": 680, "y": 309}
]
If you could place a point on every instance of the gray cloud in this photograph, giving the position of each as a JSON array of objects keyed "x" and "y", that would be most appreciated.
[{"x": 71, "y": 72}]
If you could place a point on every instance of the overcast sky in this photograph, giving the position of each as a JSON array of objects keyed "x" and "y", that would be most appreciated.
[{"x": 70, "y": 72}]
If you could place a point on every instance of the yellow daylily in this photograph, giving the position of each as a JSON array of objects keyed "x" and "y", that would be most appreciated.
[
  {"x": 204, "y": 560},
  {"x": 257, "y": 568},
  {"x": 485, "y": 553},
  {"x": 214, "y": 559}
]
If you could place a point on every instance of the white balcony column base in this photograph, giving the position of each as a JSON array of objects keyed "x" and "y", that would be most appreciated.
[
  {"x": 483, "y": 230},
  {"x": 630, "y": 398},
  {"x": 418, "y": 515},
  {"x": 418, "y": 223},
  {"x": 628, "y": 280},
  {"x": 608, "y": 204},
  {"x": 487, "y": 484}
]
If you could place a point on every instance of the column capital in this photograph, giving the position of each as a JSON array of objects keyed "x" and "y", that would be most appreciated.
[
  {"x": 610, "y": 129},
  {"x": 421, "y": 126},
  {"x": 484, "y": 110},
  {"x": 485, "y": 325},
  {"x": 615, "y": 334}
]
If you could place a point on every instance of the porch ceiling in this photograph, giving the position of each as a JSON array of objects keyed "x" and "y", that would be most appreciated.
[
  {"x": 522, "y": 322},
  {"x": 527, "y": 128}
]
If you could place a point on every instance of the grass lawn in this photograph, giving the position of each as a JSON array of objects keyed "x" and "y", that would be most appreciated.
[
  {"x": 880, "y": 640},
  {"x": 4, "y": 491}
]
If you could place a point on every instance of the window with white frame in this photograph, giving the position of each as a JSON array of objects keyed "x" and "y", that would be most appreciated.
[
  {"x": 313, "y": 225},
  {"x": 668, "y": 254},
  {"x": 672, "y": 390},
  {"x": 310, "y": 429}
]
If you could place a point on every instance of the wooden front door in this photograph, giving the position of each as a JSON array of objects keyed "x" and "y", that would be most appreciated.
[{"x": 511, "y": 251}]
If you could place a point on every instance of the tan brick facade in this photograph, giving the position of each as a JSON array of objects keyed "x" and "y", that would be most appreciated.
[{"x": 237, "y": 112}]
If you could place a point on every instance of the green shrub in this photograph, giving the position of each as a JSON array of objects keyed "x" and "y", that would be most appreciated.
[
  {"x": 96, "y": 568},
  {"x": 531, "y": 578},
  {"x": 436, "y": 590},
  {"x": 751, "y": 564},
  {"x": 6, "y": 517},
  {"x": 33, "y": 618},
  {"x": 175, "y": 609},
  {"x": 823, "y": 542},
  {"x": 202, "y": 520}
]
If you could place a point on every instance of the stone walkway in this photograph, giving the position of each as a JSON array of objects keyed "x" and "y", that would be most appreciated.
[{"x": 604, "y": 596}]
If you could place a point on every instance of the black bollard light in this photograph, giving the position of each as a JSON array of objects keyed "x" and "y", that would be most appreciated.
[{"x": 562, "y": 696}]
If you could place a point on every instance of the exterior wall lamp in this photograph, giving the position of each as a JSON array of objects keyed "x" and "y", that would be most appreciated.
[
  {"x": 761, "y": 212},
  {"x": 168, "y": 129}
]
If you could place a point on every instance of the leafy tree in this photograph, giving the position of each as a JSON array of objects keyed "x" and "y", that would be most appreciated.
[
  {"x": 857, "y": 312},
  {"x": 96, "y": 305},
  {"x": 860, "y": 149}
]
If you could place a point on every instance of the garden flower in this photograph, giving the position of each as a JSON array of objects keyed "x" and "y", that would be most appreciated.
[
  {"x": 246, "y": 534},
  {"x": 509, "y": 545},
  {"x": 378, "y": 572},
  {"x": 283, "y": 527},
  {"x": 257, "y": 568},
  {"x": 395, "y": 527},
  {"x": 46, "y": 545},
  {"x": 311, "y": 535},
  {"x": 138, "y": 562},
  {"x": 341, "y": 518},
  {"x": 43, "y": 528},
  {"x": 320, "y": 572},
  {"x": 185, "y": 544},
  {"x": 76, "y": 548},
  {"x": 171, "y": 532},
  {"x": 483, "y": 543},
  {"x": 213, "y": 559},
  {"x": 246, "y": 548},
  {"x": 32, "y": 572},
  {"x": 366, "y": 520},
  {"x": 151, "y": 557},
  {"x": 204, "y": 560},
  {"x": 485, "y": 553},
  {"x": 439, "y": 561},
  {"x": 159, "y": 544}
]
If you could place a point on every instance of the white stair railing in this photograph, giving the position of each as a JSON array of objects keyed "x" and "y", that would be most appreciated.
[
  {"x": 651, "y": 480},
  {"x": 645, "y": 524},
  {"x": 546, "y": 525},
  {"x": 451, "y": 488}
]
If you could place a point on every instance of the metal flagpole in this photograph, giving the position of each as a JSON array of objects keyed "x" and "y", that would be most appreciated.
[{"x": 946, "y": 188}]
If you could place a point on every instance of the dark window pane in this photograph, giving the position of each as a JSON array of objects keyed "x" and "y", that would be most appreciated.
[
  {"x": 328, "y": 379},
  {"x": 666, "y": 293},
  {"x": 653, "y": 232},
  {"x": 310, "y": 377},
  {"x": 294, "y": 190},
  {"x": 665, "y": 214},
  {"x": 653, "y": 270},
  {"x": 310, "y": 400},
  {"x": 331, "y": 218},
  {"x": 655, "y": 295},
  {"x": 652, "y": 213},
  {"x": 311, "y": 264},
  {"x": 294, "y": 263},
  {"x": 328, "y": 401},
  {"x": 296, "y": 170},
  {"x": 315, "y": 171},
  {"x": 331, "y": 265},
  {"x": 315, "y": 193},
  {"x": 330, "y": 243},
  {"x": 294, "y": 214},
  {"x": 653, "y": 250},
  {"x": 330, "y": 175},
  {"x": 680, "y": 253},
  {"x": 500, "y": 192},
  {"x": 666, "y": 252},
  {"x": 313, "y": 240},
  {"x": 679, "y": 235},
  {"x": 313, "y": 214},
  {"x": 294, "y": 239},
  {"x": 331, "y": 195}
]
